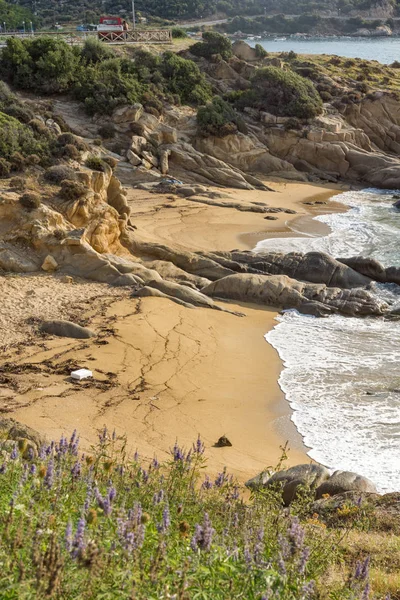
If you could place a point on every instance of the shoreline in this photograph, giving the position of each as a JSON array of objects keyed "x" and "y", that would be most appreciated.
[{"x": 164, "y": 372}]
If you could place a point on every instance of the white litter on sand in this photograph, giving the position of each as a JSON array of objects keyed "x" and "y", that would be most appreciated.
[{"x": 81, "y": 374}]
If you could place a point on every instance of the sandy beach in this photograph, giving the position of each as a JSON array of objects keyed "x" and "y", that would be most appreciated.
[{"x": 162, "y": 371}]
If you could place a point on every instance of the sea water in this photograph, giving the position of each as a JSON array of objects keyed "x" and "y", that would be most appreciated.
[
  {"x": 341, "y": 375},
  {"x": 383, "y": 49}
]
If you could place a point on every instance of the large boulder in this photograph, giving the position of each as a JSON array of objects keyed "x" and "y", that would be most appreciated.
[
  {"x": 282, "y": 291},
  {"x": 345, "y": 481},
  {"x": 243, "y": 51},
  {"x": 66, "y": 329},
  {"x": 288, "y": 481},
  {"x": 315, "y": 267},
  {"x": 11, "y": 429}
]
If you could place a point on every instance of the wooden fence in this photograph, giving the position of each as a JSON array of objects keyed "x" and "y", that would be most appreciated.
[{"x": 135, "y": 36}]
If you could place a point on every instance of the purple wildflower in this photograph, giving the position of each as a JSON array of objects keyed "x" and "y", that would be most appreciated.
[
  {"x": 68, "y": 537},
  {"x": 74, "y": 443},
  {"x": 136, "y": 456},
  {"x": 199, "y": 446},
  {"x": 76, "y": 470},
  {"x": 366, "y": 592},
  {"x": 221, "y": 479},
  {"x": 305, "y": 554},
  {"x": 103, "y": 435},
  {"x": 235, "y": 521},
  {"x": 207, "y": 484},
  {"x": 78, "y": 544},
  {"x": 14, "y": 453},
  {"x": 203, "y": 535},
  {"x": 177, "y": 453},
  {"x": 307, "y": 589},
  {"x": 296, "y": 535},
  {"x": 32, "y": 470},
  {"x": 166, "y": 518},
  {"x": 112, "y": 492},
  {"x": 49, "y": 477},
  {"x": 154, "y": 463}
]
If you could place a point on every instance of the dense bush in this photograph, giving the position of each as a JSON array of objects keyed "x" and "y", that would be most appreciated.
[
  {"x": 213, "y": 43},
  {"x": 218, "y": 118},
  {"x": 30, "y": 200},
  {"x": 178, "y": 32},
  {"x": 104, "y": 87},
  {"x": 96, "y": 76},
  {"x": 5, "y": 167},
  {"x": 59, "y": 173},
  {"x": 95, "y": 163},
  {"x": 72, "y": 189},
  {"x": 107, "y": 130},
  {"x": 104, "y": 525},
  {"x": 43, "y": 64},
  {"x": 260, "y": 51},
  {"x": 16, "y": 137},
  {"x": 185, "y": 79},
  {"x": 285, "y": 93}
]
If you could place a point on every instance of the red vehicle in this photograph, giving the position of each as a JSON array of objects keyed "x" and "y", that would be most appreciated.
[{"x": 111, "y": 27}]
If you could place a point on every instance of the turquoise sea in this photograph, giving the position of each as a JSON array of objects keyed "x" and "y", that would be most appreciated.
[{"x": 383, "y": 49}]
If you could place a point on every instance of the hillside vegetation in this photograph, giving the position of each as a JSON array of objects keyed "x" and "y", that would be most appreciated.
[{"x": 106, "y": 525}]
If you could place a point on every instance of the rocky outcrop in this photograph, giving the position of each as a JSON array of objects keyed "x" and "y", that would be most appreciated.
[
  {"x": 345, "y": 481},
  {"x": 243, "y": 51},
  {"x": 315, "y": 267},
  {"x": 370, "y": 267},
  {"x": 187, "y": 163},
  {"x": 66, "y": 329},
  {"x": 10, "y": 429},
  {"x": 315, "y": 478},
  {"x": 289, "y": 481},
  {"x": 282, "y": 291},
  {"x": 244, "y": 152}
]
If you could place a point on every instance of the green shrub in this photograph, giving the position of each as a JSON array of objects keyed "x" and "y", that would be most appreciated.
[
  {"x": 178, "y": 32},
  {"x": 17, "y": 161},
  {"x": 104, "y": 87},
  {"x": 325, "y": 96},
  {"x": 21, "y": 113},
  {"x": 94, "y": 51},
  {"x": 95, "y": 163},
  {"x": 59, "y": 173},
  {"x": 107, "y": 131},
  {"x": 69, "y": 139},
  {"x": 183, "y": 77},
  {"x": 285, "y": 93},
  {"x": 72, "y": 189},
  {"x": 5, "y": 167},
  {"x": 218, "y": 118},
  {"x": 213, "y": 43},
  {"x": 260, "y": 51},
  {"x": 71, "y": 151},
  {"x": 18, "y": 183},
  {"x": 43, "y": 64},
  {"x": 30, "y": 200},
  {"x": 110, "y": 161},
  {"x": 17, "y": 137}
]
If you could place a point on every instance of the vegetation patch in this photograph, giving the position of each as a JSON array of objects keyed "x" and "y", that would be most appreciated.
[
  {"x": 104, "y": 524},
  {"x": 218, "y": 118}
]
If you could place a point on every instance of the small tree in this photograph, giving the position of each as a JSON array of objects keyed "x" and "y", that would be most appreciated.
[
  {"x": 213, "y": 43},
  {"x": 285, "y": 93},
  {"x": 218, "y": 118}
]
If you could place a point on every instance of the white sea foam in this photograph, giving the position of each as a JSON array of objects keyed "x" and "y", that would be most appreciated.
[{"x": 342, "y": 375}]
